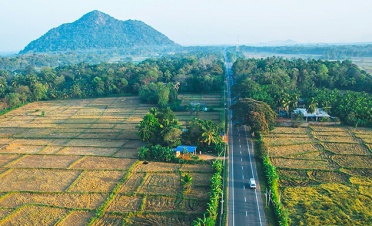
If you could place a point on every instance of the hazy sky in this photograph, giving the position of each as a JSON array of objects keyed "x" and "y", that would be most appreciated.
[{"x": 199, "y": 22}]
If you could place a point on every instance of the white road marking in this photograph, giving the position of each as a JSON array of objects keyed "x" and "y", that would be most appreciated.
[
  {"x": 246, "y": 213},
  {"x": 245, "y": 199},
  {"x": 255, "y": 191},
  {"x": 241, "y": 159},
  {"x": 243, "y": 177},
  {"x": 242, "y": 167}
]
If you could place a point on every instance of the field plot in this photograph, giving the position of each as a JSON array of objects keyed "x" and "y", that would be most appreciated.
[
  {"x": 214, "y": 101},
  {"x": 79, "y": 156},
  {"x": 326, "y": 181}
]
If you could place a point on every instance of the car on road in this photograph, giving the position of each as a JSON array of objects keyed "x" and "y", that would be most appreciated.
[{"x": 252, "y": 183}]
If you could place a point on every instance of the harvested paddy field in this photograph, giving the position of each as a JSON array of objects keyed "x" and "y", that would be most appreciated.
[
  {"x": 213, "y": 102},
  {"x": 324, "y": 173},
  {"x": 74, "y": 162}
]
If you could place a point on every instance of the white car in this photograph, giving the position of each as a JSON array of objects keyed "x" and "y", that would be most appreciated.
[{"x": 252, "y": 183}]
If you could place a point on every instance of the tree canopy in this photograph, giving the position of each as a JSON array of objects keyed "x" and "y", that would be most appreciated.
[{"x": 256, "y": 115}]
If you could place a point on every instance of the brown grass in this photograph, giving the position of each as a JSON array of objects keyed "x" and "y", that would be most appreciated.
[
  {"x": 164, "y": 203},
  {"x": 161, "y": 219},
  {"x": 5, "y": 159},
  {"x": 300, "y": 164},
  {"x": 351, "y": 161},
  {"x": 161, "y": 183},
  {"x": 64, "y": 200},
  {"x": 21, "y": 149},
  {"x": 76, "y": 218},
  {"x": 43, "y": 161},
  {"x": 132, "y": 183},
  {"x": 124, "y": 203},
  {"x": 37, "y": 180},
  {"x": 291, "y": 150},
  {"x": 107, "y": 163},
  {"x": 35, "y": 215},
  {"x": 87, "y": 151},
  {"x": 157, "y": 167},
  {"x": 97, "y": 181},
  {"x": 347, "y": 148}
]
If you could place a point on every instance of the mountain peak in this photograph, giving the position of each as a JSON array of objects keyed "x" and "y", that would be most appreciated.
[
  {"x": 97, "y": 16},
  {"x": 97, "y": 30}
]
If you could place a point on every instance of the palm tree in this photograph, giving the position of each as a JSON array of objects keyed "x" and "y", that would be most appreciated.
[{"x": 210, "y": 132}]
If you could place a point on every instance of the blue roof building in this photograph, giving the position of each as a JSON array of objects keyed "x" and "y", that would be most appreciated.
[{"x": 183, "y": 148}]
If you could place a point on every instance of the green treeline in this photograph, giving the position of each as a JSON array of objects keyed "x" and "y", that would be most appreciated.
[
  {"x": 162, "y": 132},
  {"x": 156, "y": 80},
  {"x": 324, "y": 51},
  {"x": 272, "y": 179},
  {"x": 341, "y": 88},
  {"x": 209, "y": 218}
]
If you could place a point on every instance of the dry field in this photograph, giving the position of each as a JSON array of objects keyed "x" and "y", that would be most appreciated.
[
  {"x": 210, "y": 100},
  {"x": 326, "y": 180},
  {"x": 81, "y": 157}
]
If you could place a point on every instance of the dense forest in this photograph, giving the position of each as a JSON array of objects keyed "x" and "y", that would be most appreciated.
[
  {"x": 341, "y": 88},
  {"x": 155, "y": 80},
  {"x": 323, "y": 51}
]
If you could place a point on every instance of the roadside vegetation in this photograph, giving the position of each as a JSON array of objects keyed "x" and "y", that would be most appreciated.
[
  {"x": 340, "y": 88},
  {"x": 318, "y": 174}
]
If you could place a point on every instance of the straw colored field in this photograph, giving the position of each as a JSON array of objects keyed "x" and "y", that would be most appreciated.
[
  {"x": 76, "y": 218},
  {"x": 347, "y": 148},
  {"x": 311, "y": 177},
  {"x": 276, "y": 141},
  {"x": 63, "y": 200},
  {"x": 87, "y": 151},
  {"x": 35, "y": 215},
  {"x": 132, "y": 183},
  {"x": 353, "y": 161},
  {"x": 161, "y": 183},
  {"x": 14, "y": 147},
  {"x": 336, "y": 139},
  {"x": 292, "y": 150},
  {"x": 363, "y": 173},
  {"x": 197, "y": 168},
  {"x": 300, "y": 163},
  {"x": 5, "y": 159},
  {"x": 61, "y": 167},
  {"x": 157, "y": 167},
  {"x": 164, "y": 203},
  {"x": 105, "y": 143},
  {"x": 96, "y": 181},
  {"x": 43, "y": 161},
  {"x": 161, "y": 219},
  {"x": 327, "y": 204},
  {"x": 37, "y": 180},
  {"x": 289, "y": 130},
  {"x": 325, "y": 186},
  {"x": 90, "y": 162},
  {"x": 328, "y": 128},
  {"x": 124, "y": 203}
]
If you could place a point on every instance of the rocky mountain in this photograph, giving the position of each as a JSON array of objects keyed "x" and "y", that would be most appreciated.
[{"x": 97, "y": 30}]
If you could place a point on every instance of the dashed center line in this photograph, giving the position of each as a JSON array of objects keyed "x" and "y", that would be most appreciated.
[{"x": 245, "y": 199}]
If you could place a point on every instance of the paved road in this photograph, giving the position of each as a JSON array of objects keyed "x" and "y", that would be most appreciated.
[{"x": 245, "y": 205}]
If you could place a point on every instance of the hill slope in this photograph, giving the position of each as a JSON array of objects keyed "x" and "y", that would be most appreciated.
[{"x": 97, "y": 30}]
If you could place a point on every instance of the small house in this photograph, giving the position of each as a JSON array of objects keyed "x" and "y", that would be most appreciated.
[
  {"x": 185, "y": 149},
  {"x": 319, "y": 113}
]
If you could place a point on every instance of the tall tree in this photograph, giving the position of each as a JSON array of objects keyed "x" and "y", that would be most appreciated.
[{"x": 256, "y": 115}]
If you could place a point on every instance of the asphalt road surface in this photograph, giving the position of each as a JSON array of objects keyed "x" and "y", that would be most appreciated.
[{"x": 245, "y": 205}]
